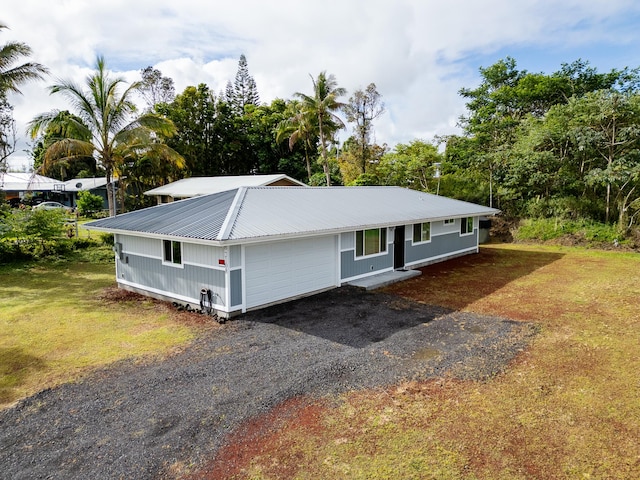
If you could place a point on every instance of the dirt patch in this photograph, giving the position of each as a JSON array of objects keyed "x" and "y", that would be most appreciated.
[
  {"x": 264, "y": 437},
  {"x": 120, "y": 295}
]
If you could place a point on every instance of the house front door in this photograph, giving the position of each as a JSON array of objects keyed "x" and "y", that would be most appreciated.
[{"x": 398, "y": 247}]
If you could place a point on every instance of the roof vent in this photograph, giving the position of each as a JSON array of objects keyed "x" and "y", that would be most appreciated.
[{"x": 79, "y": 185}]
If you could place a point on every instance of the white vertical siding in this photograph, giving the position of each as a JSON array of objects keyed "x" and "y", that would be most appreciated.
[
  {"x": 146, "y": 247},
  {"x": 275, "y": 271},
  {"x": 205, "y": 255},
  {"x": 439, "y": 228},
  {"x": 347, "y": 241}
]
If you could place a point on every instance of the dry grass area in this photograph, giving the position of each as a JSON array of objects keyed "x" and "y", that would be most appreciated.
[
  {"x": 569, "y": 407},
  {"x": 58, "y": 322}
]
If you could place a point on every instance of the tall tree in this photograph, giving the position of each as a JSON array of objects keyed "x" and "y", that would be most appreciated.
[
  {"x": 494, "y": 117},
  {"x": 299, "y": 126},
  {"x": 8, "y": 138},
  {"x": 410, "y": 165},
  {"x": 507, "y": 97},
  {"x": 196, "y": 115},
  {"x": 109, "y": 120},
  {"x": 363, "y": 108},
  {"x": 12, "y": 76},
  {"x": 63, "y": 168},
  {"x": 245, "y": 91},
  {"x": 322, "y": 106},
  {"x": 263, "y": 152},
  {"x": 156, "y": 88},
  {"x": 607, "y": 124}
]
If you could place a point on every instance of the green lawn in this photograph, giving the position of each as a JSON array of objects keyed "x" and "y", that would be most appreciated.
[{"x": 54, "y": 326}]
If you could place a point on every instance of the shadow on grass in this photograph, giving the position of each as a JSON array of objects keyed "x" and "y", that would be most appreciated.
[
  {"x": 15, "y": 368},
  {"x": 356, "y": 318}
]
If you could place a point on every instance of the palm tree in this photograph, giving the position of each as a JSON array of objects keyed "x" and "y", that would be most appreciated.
[
  {"x": 321, "y": 106},
  {"x": 116, "y": 135},
  {"x": 298, "y": 126},
  {"x": 12, "y": 76}
]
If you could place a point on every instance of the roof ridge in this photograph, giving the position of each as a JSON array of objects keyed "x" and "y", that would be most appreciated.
[{"x": 232, "y": 214}]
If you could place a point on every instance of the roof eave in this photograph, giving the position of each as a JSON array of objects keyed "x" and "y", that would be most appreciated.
[{"x": 159, "y": 236}]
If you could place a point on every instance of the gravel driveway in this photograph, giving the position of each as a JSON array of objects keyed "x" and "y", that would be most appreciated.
[{"x": 135, "y": 420}]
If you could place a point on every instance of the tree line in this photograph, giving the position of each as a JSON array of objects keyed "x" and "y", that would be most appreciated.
[
  {"x": 197, "y": 132},
  {"x": 564, "y": 144},
  {"x": 560, "y": 145}
]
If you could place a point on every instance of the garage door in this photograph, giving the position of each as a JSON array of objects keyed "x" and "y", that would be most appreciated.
[{"x": 279, "y": 270}]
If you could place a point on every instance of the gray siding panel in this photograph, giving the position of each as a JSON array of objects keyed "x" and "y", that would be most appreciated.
[
  {"x": 352, "y": 267},
  {"x": 236, "y": 256},
  {"x": 348, "y": 241},
  {"x": 236, "y": 287},
  {"x": 187, "y": 281},
  {"x": 439, "y": 245}
]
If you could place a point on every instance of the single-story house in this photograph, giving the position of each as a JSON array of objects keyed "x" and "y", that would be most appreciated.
[
  {"x": 196, "y": 186},
  {"x": 250, "y": 247},
  {"x": 18, "y": 185},
  {"x": 96, "y": 185}
]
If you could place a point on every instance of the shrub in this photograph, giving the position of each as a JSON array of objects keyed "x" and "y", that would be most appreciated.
[
  {"x": 82, "y": 243},
  {"x": 88, "y": 203},
  {"x": 107, "y": 239},
  {"x": 27, "y": 225},
  {"x": 587, "y": 231},
  {"x": 27, "y": 235},
  {"x": 573, "y": 208},
  {"x": 10, "y": 252},
  {"x": 95, "y": 254},
  {"x": 45, "y": 224}
]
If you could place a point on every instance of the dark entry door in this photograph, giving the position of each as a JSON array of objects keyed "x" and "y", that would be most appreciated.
[{"x": 398, "y": 247}]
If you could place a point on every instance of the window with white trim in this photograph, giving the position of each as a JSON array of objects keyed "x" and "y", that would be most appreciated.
[
  {"x": 371, "y": 242},
  {"x": 466, "y": 225},
  {"x": 421, "y": 232},
  {"x": 172, "y": 252},
  {"x": 449, "y": 221}
]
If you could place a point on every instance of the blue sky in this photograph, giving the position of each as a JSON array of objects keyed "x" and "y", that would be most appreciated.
[{"x": 418, "y": 52}]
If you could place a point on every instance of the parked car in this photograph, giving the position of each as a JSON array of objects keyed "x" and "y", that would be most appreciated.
[{"x": 51, "y": 206}]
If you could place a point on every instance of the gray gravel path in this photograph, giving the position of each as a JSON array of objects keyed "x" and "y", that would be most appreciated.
[{"x": 136, "y": 420}]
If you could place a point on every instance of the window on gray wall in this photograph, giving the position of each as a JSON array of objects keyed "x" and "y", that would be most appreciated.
[
  {"x": 371, "y": 242},
  {"x": 172, "y": 252},
  {"x": 466, "y": 225},
  {"x": 421, "y": 232}
]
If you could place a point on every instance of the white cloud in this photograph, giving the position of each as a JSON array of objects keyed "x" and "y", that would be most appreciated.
[{"x": 419, "y": 53}]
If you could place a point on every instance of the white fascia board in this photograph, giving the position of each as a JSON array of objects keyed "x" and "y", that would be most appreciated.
[
  {"x": 161, "y": 236},
  {"x": 490, "y": 212}
]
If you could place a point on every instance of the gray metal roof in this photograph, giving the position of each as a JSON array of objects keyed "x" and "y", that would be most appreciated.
[
  {"x": 194, "y": 186},
  {"x": 255, "y": 213},
  {"x": 80, "y": 184},
  {"x": 14, "y": 182},
  {"x": 197, "y": 218}
]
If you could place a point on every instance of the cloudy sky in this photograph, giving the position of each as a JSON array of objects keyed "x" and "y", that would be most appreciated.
[{"x": 419, "y": 53}]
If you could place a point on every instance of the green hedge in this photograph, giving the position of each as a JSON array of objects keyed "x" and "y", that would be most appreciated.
[
  {"x": 545, "y": 229},
  {"x": 12, "y": 251}
]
